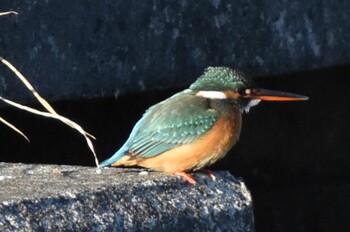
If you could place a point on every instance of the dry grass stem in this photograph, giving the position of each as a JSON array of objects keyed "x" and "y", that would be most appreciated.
[
  {"x": 51, "y": 112},
  {"x": 13, "y": 128},
  {"x": 8, "y": 12},
  {"x": 55, "y": 116},
  {"x": 29, "y": 86}
]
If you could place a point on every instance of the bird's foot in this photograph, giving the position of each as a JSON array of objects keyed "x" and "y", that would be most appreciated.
[
  {"x": 209, "y": 173},
  {"x": 186, "y": 176}
]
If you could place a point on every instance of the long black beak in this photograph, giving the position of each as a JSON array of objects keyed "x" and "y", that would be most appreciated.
[{"x": 272, "y": 95}]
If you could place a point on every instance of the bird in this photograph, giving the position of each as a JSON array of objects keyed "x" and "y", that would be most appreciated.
[{"x": 196, "y": 127}]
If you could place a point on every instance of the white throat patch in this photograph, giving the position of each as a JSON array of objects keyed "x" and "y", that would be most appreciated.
[
  {"x": 250, "y": 104},
  {"x": 212, "y": 94}
]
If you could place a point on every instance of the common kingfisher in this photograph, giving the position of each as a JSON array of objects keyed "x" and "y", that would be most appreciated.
[{"x": 195, "y": 127}]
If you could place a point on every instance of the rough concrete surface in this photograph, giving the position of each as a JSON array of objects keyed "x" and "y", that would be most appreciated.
[
  {"x": 86, "y": 48},
  {"x": 75, "y": 198}
]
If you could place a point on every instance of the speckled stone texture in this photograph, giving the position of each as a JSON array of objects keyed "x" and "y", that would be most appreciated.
[
  {"x": 87, "y": 48},
  {"x": 74, "y": 198}
]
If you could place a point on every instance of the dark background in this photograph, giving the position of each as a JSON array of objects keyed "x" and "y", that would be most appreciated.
[{"x": 294, "y": 157}]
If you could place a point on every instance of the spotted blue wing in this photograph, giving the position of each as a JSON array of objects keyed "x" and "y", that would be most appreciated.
[{"x": 179, "y": 120}]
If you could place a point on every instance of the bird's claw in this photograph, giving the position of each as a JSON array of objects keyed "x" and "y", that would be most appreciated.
[
  {"x": 186, "y": 176},
  {"x": 209, "y": 173}
]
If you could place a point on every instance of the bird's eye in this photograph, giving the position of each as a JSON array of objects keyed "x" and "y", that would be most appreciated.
[
  {"x": 249, "y": 91},
  {"x": 242, "y": 91}
]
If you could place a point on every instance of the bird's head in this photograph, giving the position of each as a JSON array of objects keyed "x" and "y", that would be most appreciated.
[{"x": 226, "y": 83}]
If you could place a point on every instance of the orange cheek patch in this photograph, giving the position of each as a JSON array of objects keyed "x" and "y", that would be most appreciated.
[{"x": 232, "y": 95}]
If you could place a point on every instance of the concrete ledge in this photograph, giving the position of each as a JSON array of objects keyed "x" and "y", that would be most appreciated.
[{"x": 73, "y": 198}]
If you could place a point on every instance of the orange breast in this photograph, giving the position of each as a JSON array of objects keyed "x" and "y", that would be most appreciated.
[{"x": 205, "y": 151}]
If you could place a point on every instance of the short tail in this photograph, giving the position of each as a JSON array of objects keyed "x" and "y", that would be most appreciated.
[{"x": 120, "y": 153}]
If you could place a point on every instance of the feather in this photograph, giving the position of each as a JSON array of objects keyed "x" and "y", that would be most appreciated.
[{"x": 184, "y": 119}]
